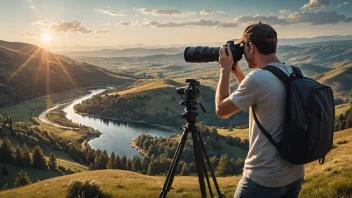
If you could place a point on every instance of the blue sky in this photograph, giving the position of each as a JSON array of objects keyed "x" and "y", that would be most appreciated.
[{"x": 112, "y": 23}]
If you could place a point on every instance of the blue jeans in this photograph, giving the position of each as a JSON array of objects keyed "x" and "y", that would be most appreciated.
[{"x": 248, "y": 188}]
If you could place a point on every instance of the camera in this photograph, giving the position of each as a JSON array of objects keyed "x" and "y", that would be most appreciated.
[
  {"x": 191, "y": 91},
  {"x": 204, "y": 54}
]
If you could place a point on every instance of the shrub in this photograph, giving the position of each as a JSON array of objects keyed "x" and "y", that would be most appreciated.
[
  {"x": 22, "y": 179},
  {"x": 84, "y": 188}
]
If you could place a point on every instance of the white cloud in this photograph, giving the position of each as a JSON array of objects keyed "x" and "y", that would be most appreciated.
[
  {"x": 317, "y": 18},
  {"x": 341, "y": 4},
  {"x": 102, "y": 31},
  {"x": 110, "y": 12},
  {"x": 73, "y": 26},
  {"x": 42, "y": 22},
  {"x": 284, "y": 11},
  {"x": 32, "y": 7},
  {"x": 29, "y": 34},
  {"x": 271, "y": 19},
  {"x": 316, "y": 4},
  {"x": 189, "y": 23},
  {"x": 108, "y": 24},
  {"x": 211, "y": 12},
  {"x": 164, "y": 12},
  {"x": 345, "y": 3},
  {"x": 29, "y": 1}
]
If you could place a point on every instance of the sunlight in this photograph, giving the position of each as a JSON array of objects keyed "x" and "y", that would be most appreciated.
[{"x": 46, "y": 37}]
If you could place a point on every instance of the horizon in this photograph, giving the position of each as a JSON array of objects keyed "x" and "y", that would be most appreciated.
[{"x": 109, "y": 23}]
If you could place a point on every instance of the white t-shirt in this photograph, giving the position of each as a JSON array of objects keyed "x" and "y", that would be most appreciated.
[{"x": 263, "y": 164}]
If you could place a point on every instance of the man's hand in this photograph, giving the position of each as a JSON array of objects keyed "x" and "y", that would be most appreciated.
[{"x": 225, "y": 61}]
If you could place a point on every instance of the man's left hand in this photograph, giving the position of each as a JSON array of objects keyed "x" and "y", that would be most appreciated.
[{"x": 225, "y": 61}]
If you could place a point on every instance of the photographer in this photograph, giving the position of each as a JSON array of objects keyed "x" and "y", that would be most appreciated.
[{"x": 266, "y": 173}]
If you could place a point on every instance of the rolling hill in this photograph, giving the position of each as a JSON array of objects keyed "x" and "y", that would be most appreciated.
[
  {"x": 154, "y": 101},
  {"x": 332, "y": 179},
  {"x": 28, "y": 71}
]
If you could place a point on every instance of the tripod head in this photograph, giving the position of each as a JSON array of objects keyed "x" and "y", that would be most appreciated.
[{"x": 191, "y": 93}]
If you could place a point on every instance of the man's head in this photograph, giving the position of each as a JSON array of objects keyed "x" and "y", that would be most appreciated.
[{"x": 259, "y": 40}]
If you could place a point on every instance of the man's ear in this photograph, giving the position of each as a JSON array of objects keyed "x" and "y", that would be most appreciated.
[{"x": 251, "y": 48}]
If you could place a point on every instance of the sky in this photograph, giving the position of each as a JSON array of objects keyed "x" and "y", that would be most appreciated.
[{"x": 60, "y": 23}]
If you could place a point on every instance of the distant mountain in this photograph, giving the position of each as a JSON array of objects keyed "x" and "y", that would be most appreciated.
[
  {"x": 130, "y": 52},
  {"x": 28, "y": 71}
]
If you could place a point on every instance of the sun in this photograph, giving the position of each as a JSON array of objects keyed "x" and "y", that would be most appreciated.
[{"x": 46, "y": 37}]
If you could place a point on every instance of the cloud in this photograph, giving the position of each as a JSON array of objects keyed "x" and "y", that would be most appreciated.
[
  {"x": 42, "y": 22},
  {"x": 125, "y": 23},
  {"x": 189, "y": 23},
  {"x": 98, "y": 37},
  {"x": 315, "y": 4},
  {"x": 29, "y": 34},
  {"x": 284, "y": 11},
  {"x": 29, "y": 1},
  {"x": 164, "y": 12},
  {"x": 102, "y": 31},
  {"x": 73, "y": 26},
  {"x": 110, "y": 12},
  {"x": 271, "y": 19},
  {"x": 211, "y": 12},
  {"x": 318, "y": 18},
  {"x": 32, "y": 7}
]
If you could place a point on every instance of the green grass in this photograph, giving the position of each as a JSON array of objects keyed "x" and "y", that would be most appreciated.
[
  {"x": 23, "y": 111},
  {"x": 241, "y": 133}
]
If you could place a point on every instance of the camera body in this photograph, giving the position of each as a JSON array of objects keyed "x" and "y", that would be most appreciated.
[
  {"x": 204, "y": 54},
  {"x": 192, "y": 91}
]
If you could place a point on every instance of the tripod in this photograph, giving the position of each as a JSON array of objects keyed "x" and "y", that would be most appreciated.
[{"x": 190, "y": 116}]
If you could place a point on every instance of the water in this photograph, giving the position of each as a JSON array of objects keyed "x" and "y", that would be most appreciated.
[{"x": 116, "y": 136}]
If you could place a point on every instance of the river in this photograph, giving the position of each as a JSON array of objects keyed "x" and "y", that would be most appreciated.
[{"x": 116, "y": 136}]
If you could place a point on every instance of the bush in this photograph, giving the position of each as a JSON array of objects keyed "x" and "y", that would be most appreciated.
[
  {"x": 22, "y": 179},
  {"x": 84, "y": 188}
]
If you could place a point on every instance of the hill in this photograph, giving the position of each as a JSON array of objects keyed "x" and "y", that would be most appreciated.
[
  {"x": 154, "y": 101},
  {"x": 28, "y": 71},
  {"x": 332, "y": 179}
]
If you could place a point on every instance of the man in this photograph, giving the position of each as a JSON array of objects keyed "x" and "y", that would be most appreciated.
[{"x": 265, "y": 173}]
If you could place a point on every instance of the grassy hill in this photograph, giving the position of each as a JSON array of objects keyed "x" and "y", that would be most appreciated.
[
  {"x": 154, "y": 101},
  {"x": 332, "y": 179},
  {"x": 28, "y": 71}
]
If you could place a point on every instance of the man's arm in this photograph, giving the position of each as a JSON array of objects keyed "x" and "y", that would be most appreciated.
[{"x": 224, "y": 106}]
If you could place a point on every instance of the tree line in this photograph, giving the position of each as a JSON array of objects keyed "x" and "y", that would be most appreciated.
[{"x": 344, "y": 120}]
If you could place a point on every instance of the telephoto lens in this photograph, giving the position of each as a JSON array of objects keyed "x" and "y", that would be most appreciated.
[{"x": 201, "y": 54}]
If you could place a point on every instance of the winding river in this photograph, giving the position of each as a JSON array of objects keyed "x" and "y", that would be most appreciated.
[{"x": 116, "y": 136}]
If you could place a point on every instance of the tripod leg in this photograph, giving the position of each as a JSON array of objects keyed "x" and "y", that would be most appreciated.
[
  {"x": 171, "y": 173},
  {"x": 208, "y": 163},
  {"x": 198, "y": 159},
  {"x": 206, "y": 175}
]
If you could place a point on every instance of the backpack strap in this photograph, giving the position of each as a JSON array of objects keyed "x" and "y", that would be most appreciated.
[
  {"x": 297, "y": 73},
  {"x": 267, "y": 135}
]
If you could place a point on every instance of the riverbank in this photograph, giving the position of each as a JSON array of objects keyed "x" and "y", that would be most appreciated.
[{"x": 139, "y": 149}]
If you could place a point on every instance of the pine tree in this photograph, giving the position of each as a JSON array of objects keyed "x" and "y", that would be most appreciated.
[
  {"x": 129, "y": 165},
  {"x": 6, "y": 151},
  {"x": 185, "y": 170},
  {"x": 224, "y": 168},
  {"x": 137, "y": 165},
  {"x": 124, "y": 163},
  {"x": 117, "y": 163},
  {"x": 52, "y": 162},
  {"x": 90, "y": 155},
  {"x": 145, "y": 163},
  {"x": 39, "y": 160},
  {"x": 27, "y": 160},
  {"x": 111, "y": 162},
  {"x": 91, "y": 166},
  {"x": 349, "y": 120},
  {"x": 22, "y": 179},
  {"x": 19, "y": 156}
]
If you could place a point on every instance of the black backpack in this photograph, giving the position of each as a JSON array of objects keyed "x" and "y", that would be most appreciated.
[{"x": 309, "y": 122}]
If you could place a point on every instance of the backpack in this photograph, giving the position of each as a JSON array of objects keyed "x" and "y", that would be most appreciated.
[{"x": 309, "y": 119}]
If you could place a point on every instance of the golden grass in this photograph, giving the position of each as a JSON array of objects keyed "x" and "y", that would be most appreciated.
[
  {"x": 342, "y": 108},
  {"x": 241, "y": 133}
]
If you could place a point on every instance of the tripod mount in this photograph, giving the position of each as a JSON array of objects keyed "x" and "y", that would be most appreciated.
[{"x": 190, "y": 115}]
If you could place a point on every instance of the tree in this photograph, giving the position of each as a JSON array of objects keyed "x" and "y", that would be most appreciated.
[
  {"x": 224, "y": 168},
  {"x": 214, "y": 161},
  {"x": 161, "y": 75},
  {"x": 145, "y": 163},
  {"x": 124, "y": 163},
  {"x": 6, "y": 151},
  {"x": 19, "y": 156},
  {"x": 185, "y": 170},
  {"x": 117, "y": 163},
  {"x": 137, "y": 165},
  {"x": 27, "y": 160},
  {"x": 90, "y": 155},
  {"x": 52, "y": 162},
  {"x": 22, "y": 179},
  {"x": 111, "y": 162},
  {"x": 349, "y": 120},
  {"x": 39, "y": 160},
  {"x": 129, "y": 165}
]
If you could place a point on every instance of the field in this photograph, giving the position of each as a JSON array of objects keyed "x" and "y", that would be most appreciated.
[
  {"x": 24, "y": 111},
  {"x": 332, "y": 179},
  {"x": 241, "y": 133}
]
